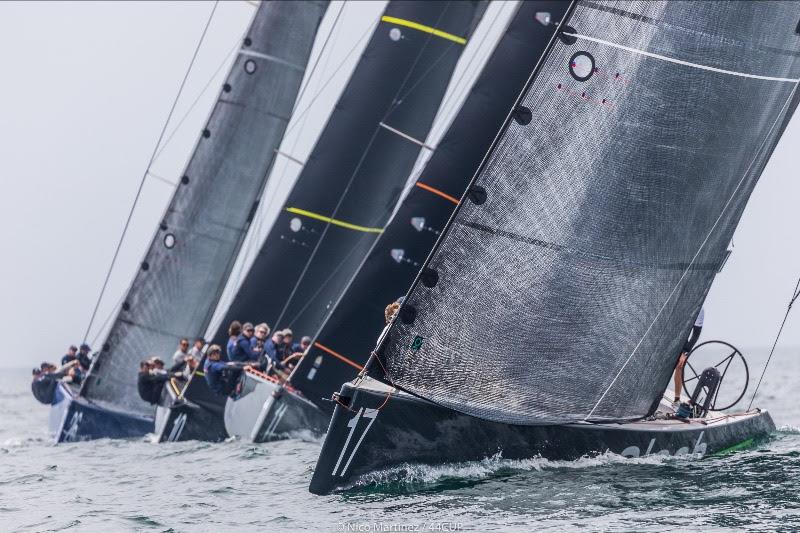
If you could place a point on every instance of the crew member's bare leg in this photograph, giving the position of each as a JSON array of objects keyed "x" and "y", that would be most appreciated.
[{"x": 679, "y": 376}]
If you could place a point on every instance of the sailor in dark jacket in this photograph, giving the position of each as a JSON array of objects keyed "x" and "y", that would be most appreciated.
[
  {"x": 83, "y": 357},
  {"x": 242, "y": 351},
  {"x": 46, "y": 378},
  {"x": 71, "y": 355},
  {"x": 151, "y": 381},
  {"x": 221, "y": 376}
]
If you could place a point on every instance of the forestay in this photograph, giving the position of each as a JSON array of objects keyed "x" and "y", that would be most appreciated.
[
  {"x": 569, "y": 277},
  {"x": 355, "y": 174},
  {"x": 181, "y": 277},
  {"x": 349, "y": 334}
]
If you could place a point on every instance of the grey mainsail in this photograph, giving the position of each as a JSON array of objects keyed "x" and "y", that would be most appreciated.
[
  {"x": 570, "y": 274},
  {"x": 185, "y": 269}
]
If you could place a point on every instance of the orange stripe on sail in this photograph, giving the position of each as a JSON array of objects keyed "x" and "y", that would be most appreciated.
[
  {"x": 338, "y": 356},
  {"x": 437, "y": 191}
]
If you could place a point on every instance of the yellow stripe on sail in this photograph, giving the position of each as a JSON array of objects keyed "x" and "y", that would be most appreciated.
[
  {"x": 426, "y": 29},
  {"x": 340, "y": 223}
]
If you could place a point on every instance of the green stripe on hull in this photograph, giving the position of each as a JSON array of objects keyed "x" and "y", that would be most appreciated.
[{"x": 736, "y": 447}]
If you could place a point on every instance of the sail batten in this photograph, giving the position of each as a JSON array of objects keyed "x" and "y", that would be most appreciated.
[
  {"x": 184, "y": 271},
  {"x": 566, "y": 285}
]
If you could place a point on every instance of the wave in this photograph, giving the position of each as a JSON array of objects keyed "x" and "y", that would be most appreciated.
[{"x": 495, "y": 466}]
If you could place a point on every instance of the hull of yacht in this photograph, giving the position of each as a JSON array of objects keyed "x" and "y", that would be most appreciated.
[
  {"x": 376, "y": 427},
  {"x": 74, "y": 418},
  {"x": 190, "y": 412},
  {"x": 265, "y": 410}
]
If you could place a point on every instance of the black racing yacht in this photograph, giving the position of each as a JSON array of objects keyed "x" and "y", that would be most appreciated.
[
  {"x": 175, "y": 291},
  {"x": 550, "y": 314}
]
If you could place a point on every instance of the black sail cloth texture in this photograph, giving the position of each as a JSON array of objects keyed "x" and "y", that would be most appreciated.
[
  {"x": 567, "y": 289},
  {"x": 388, "y": 271},
  {"x": 185, "y": 269},
  {"x": 356, "y": 172}
]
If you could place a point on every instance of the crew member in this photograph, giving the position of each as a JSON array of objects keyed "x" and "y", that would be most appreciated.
[
  {"x": 241, "y": 350},
  {"x": 84, "y": 358},
  {"x": 305, "y": 342},
  {"x": 152, "y": 377},
  {"x": 221, "y": 376},
  {"x": 197, "y": 349},
  {"x": 687, "y": 347},
  {"x": 70, "y": 356},
  {"x": 46, "y": 378},
  {"x": 182, "y": 352},
  {"x": 259, "y": 340},
  {"x": 234, "y": 330}
]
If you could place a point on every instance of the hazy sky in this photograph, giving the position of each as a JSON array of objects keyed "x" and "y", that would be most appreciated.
[{"x": 86, "y": 90}]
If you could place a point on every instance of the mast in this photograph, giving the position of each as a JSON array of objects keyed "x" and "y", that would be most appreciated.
[
  {"x": 355, "y": 174},
  {"x": 569, "y": 275},
  {"x": 192, "y": 253},
  {"x": 348, "y": 335}
]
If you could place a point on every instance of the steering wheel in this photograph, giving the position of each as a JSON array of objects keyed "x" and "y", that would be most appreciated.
[{"x": 723, "y": 365}]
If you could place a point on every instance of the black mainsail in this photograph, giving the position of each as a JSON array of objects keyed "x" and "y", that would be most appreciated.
[
  {"x": 348, "y": 335},
  {"x": 569, "y": 276},
  {"x": 356, "y": 172},
  {"x": 185, "y": 269}
]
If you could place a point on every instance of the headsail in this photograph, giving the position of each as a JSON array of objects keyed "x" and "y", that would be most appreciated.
[
  {"x": 349, "y": 334},
  {"x": 180, "y": 280},
  {"x": 569, "y": 276},
  {"x": 358, "y": 167}
]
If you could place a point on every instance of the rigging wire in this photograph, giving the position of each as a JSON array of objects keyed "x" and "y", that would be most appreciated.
[
  {"x": 795, "y": 295},
  {"x": 145, "y": 174}
]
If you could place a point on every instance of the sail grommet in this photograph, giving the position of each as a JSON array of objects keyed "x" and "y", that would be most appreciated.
[
  {"x": 185, "y": 180},
  {"x": 145, "y": 265},
  {"x": 407, "y": 314},
  {"x": 250, "y": 66},
  {"x": 477, "y": 194},
  {"x": 429, "y": 277},
  {"x": 106, "y": 347},
  {"x": 226, "y": 88},
  {"x": 126, "y": 306},
  {"x": 581, "y": 66},
  {"x": 522, "y": 115},
  {"x": 169, "y": 241},
  {"x": 567, "y": 39},
  {"x": 206, "y": 133},
  {"x": 248, "y": 41},
  {"x": 163, "y": 226}
]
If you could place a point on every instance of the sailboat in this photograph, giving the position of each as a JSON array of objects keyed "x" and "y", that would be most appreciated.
[
  {"x": 184, "y": 271},
  {"x": 344, "y": 342},
  {"x": 345, "y": 195},
  {"x": 342, "y": 198},
  {"x": 549, "y": 316}
]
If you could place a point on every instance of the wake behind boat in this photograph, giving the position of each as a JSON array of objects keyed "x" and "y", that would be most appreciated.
[{"x": 551, "y": 313}]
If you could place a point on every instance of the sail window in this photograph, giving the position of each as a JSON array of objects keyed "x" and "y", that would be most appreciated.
[
  {"x": 477, "y": 194},
  {"x": 395, "y": 34},
  {"x": 418, "y": 223},
  {"x": 295, "y": 224},
  {"x": 250, "y": 66},
  {"x": 408, "y": 313},
  {"x": 522, "y": 115},
  {"x": 169, "y": 240},
  {"x": 429, "y": 277},
  {"x": 581, "y": 66}
]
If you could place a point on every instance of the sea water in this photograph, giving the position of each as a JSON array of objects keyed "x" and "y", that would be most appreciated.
[{"x": 138, "y": 485}]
